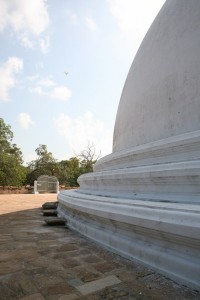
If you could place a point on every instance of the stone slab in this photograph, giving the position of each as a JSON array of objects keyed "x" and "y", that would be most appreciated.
[
  {"x": 75, "y": 282},
  {"x": 98, "y": 285}
]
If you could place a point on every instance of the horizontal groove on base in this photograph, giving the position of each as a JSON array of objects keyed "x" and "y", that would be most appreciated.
[{"x": 165, "y": 236}]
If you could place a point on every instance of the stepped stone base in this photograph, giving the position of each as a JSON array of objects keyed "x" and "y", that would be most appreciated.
[
  {"x": 162, "y": 235},
  {"x": 143, "y": 203},
  {"x": 143, "y": 200}
]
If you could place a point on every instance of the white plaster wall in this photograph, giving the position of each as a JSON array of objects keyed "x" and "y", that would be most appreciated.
[
  {"x": 161, "y": 96},
  {"x": 142, "y": 201}
]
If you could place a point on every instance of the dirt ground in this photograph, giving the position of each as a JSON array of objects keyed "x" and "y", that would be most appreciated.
[{"x": 40, "y": 262}]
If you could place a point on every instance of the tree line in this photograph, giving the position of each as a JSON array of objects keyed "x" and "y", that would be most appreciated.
[{"x": 14, "y": 173}]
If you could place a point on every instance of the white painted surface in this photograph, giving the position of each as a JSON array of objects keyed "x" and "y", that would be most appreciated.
[
  {"x": 184, "y": 147},
  {"x": 143, "y": 200},
  {"x": 162, "y": 235},
  {"x": 161, "y": 96}
]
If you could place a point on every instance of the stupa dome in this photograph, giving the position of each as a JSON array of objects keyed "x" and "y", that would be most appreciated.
[{"x": 160, "y": 98}]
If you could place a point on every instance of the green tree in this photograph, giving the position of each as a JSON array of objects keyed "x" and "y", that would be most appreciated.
[
  {"x": 12, "y": 172},
  {"x": 69, "y": 172},
  {"x": 44, "y": 164}
]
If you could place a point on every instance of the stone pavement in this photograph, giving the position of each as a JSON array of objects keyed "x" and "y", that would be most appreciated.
[{"x": 40, "y": 262}]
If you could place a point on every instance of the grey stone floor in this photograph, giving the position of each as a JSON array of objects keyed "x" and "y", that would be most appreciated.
[{"x": 40, "y": 262}]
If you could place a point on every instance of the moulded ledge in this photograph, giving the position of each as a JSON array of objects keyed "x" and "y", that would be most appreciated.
[
  {"x": 172, "y": 149},
  {"x": 174, "y": 182},
  {"x": 165, "y": 236}
]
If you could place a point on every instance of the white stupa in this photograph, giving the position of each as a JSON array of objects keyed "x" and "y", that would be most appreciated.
[{"x": 143, "y": 200}]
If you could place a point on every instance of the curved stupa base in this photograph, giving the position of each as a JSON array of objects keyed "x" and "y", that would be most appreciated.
[
  {"x": 164, "y": 236},
  {"x": 143, "y": 200},
  {"x": 145, "y": 209}
]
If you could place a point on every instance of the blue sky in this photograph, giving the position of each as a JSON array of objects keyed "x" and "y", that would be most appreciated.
[{"x": 95, "y": 42}]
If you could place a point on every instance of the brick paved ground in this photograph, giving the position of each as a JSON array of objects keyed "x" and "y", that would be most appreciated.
[{"x": 38, "y": 262}]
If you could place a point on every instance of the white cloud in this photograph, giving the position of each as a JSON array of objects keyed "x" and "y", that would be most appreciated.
[
  {"x": 26, "y": 42},
  {"x": 28, "y": 157},
  {"x": 90, "y": 23},
  {"x": 61, "y": 93},
  {"x": 76, "y": 19},
  {"x": 39, "y": 66},
  {"x": 27, "y": 19},
  {"x": 72, "y": 17},
  {"x": 47, "y": 82},
  {"x": 49, "y": 88},
  {"x": 33, "y": 77},
  {"x": 12, "y": 66},
  {"x": 83, "y": 129},
  {"x": 25, "y": 120},
  {"x": 44, "y": 44},
  {"x": 37, "y": 90}
]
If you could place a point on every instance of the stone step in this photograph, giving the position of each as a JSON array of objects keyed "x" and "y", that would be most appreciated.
[
  {"x": 50, "y": 205},
  {"x": 49, "y": 212},
  {"x": 53, "y": 221}
]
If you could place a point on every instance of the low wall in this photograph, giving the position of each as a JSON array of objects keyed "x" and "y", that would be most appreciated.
[
  {"x": 16, "y": 190},
  {"x": 25, "y": 189}
]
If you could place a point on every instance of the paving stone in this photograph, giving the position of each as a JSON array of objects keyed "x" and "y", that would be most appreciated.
[
  {"x": 104, "y": 267},
  {"x": 68, "y": 297},
  {"x": 7, "y": 255},
  {"x": 97, "y": 285},
  {"x": 85, "y": 274},
  {"x": 90, "y": 277},
  {"x": 92, "y": 259},
  {"x": 70, "y": 263},
  {"x": 43, "y": 279},
  {"x": 39, "y": 261},
  {"x": 10, "y": 290},
  {"x": 57, "y": 289},
  {"x": 65, "y": 274},
  {"x": 36, "y": 296},
  {"x": 75, "y": 282},
  {"x": 118, "y": 292},
  {"x": 73, "y": 254},
  {"x": 84, "y": 252},
  {"x": 64, "y": 239},
  {"x": 25, "y": 281},
  {"x": 127, "y": 276},
  {"x": 60, "y": 256},
  {"x": 47, "y": 242},
  {"x": 24, "y": 244},
  {"x": 7, "y": 267},
  {"x": 68, "y": 247}
]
